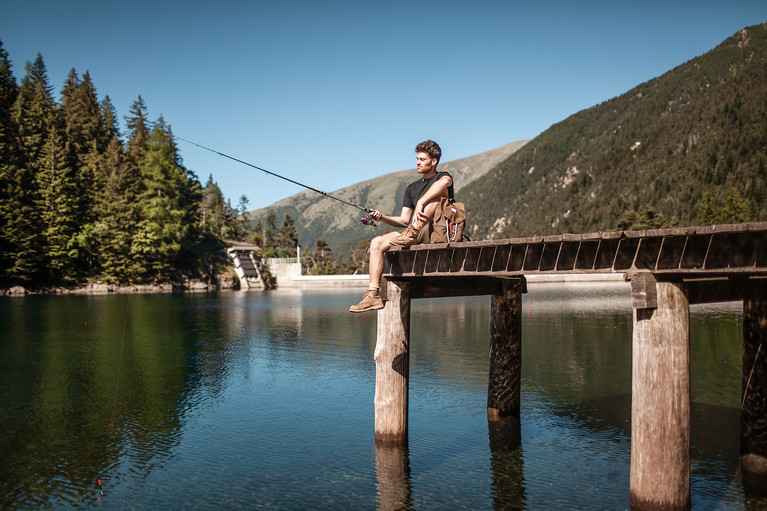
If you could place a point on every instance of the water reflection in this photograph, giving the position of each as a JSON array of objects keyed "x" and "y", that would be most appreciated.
[
  {"x": 239, "y": 400},
  {"x": 393, "y": 477},
  {"x": 507, "y": 463}
]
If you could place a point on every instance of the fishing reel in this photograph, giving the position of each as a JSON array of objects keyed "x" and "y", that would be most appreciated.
[{"x": 368, "y": 220}]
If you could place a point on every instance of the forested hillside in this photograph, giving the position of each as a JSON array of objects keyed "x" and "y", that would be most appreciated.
[
  {"x": 686, "y": 148},
  {"x": 81, "y": 203}
]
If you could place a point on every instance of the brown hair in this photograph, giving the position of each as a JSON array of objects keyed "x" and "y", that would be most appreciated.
[{"x": 429, "y": 147}]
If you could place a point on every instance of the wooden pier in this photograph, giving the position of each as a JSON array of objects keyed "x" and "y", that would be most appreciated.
[{"x": 669, "y": 269}]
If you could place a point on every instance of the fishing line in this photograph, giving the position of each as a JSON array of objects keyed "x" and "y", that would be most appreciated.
[
  {"x": 365, "y": 220},
  {"x": 111, "y": 425},
  {"x": 120, "y": 364}
]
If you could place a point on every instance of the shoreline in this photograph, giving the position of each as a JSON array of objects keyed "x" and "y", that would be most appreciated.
[
  {"x": 302, "y": 282},
  {"x": 105, "y": 289}
]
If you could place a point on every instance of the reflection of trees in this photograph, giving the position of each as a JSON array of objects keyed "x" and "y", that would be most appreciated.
[{"x": 65, "y": 355}]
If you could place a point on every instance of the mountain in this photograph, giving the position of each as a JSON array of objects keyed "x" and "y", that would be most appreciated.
[
  {"x": 686, "y": 148},
  {"x": 317, "y": 216}
]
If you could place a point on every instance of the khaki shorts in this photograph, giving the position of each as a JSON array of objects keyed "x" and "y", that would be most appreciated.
[{"x": 424, "y": 235}]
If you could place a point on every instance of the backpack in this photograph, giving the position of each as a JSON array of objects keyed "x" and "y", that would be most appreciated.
[{"x": 449, "y": 221}]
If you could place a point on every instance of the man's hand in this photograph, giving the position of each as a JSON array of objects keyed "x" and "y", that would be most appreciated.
[
  {"x": 375, "y": 214},
  {"x": 423, "y": 218}
]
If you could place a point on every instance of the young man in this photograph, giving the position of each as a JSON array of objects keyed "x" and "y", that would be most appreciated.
[{"x": 421, "y": 198}]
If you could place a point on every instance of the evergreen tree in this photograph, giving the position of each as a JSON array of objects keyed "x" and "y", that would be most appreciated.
[
  {"x": 288, "y": 238},
  {"x": 32, "y": 114},
  {"x": 34, "y": 110},
  {"x": 213, "y": 209},
  {"x": 321, "y": 261},
  {"x": 84, "y": 130},
  {"x": 166, "y": 202},
  {"x": 59, "y": 211},
  {"x": 257, "y": 235},
  {"x": 270, "y": 234},
  {"x": 111, "y": 127},
  {"x": 138, "y": 131},
  {"x": 9, "y": 159},
  {"x": 114, "y": 227},
  {"x": 730, "y": 209}
]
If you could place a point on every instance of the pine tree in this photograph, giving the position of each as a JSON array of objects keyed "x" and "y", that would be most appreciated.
[
  {"x": 213, "y": 209},
  {"x": 138, "y": 131},
  {"x": 322, "y": 260},
  {"x": 9, "y": 160},
  {"x": 59, "y": 211},
  {"x": 257, "y": 235},
  {"x": 32, "y": 113},
  {"x": 34, "y": 110},
  {"x": 288, "y": 238},
  {"x": 84, "y": 131},
  {"x": 167, "y": 203},
  {"x": 270, "y": 234},
  {"x": 114, "y": 227}
]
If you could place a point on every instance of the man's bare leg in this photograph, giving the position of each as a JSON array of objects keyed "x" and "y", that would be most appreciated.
[{"x": 372, "y": 299}]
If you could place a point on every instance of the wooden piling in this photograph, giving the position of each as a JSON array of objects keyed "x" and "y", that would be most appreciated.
[
  {"x": 392, "y": 359},
  {"x": 504, "y": 380},
  {"x": 660, "y": 407},
  {"x": 753, "y": 417}
]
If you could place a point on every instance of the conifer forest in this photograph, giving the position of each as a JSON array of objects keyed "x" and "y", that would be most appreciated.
[{"x": 81, "y": 201}]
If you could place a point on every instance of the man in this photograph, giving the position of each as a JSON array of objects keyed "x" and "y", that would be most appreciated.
[{"x": 422, "y": 198}]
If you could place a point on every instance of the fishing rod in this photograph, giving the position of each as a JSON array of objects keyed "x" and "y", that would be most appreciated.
[{"x": 367, "y": 220}]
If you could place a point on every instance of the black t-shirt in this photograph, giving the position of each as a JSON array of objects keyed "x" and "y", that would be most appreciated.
[{"x": 415, "y": 191}]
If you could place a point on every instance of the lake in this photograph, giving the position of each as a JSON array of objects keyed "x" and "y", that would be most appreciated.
[{"x": 264, "y": 400}]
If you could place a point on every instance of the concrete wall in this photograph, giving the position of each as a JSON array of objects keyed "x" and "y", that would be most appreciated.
[{"x": 288, "y": 275}]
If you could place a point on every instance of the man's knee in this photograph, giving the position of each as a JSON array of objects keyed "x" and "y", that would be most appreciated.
[{"x": 380, "y": 244}]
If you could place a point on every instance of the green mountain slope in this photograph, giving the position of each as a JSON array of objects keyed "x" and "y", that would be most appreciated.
[
  {"x": 670, "y": 146},
  {"x": 321, "y": 217}
]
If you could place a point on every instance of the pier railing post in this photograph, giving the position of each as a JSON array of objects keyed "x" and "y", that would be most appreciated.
[
  {"x": 504, "y": 381},
  {"x": 660, "y": 404},
  {"x": 392, "y": 358},
  {"x": 753, "y": 416}
]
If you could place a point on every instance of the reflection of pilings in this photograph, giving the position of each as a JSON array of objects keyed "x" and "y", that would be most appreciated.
[
  {"x": 393, "y": 476},
  {"x": 504, "y": 380},
  {"x": 753, "y": 421},
  {"x": 660, "y": 408},
  {"x": 506, "y": 462}
]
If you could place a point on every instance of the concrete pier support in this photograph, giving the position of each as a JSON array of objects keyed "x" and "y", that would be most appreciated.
[{"x": 660, "y": 408}]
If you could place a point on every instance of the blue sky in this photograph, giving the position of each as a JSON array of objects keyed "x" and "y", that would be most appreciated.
[{"x": 330, "y": 93}]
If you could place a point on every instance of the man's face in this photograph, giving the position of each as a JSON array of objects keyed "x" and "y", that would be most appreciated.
[{"x": 425, "y": 163}]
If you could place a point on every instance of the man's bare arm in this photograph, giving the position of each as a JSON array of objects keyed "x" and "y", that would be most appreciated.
[
  {"x": 403, "y": 218},
  {"x": 438, "y": 189}
]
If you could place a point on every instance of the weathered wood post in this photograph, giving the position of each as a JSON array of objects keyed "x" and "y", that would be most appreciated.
[
  {"x": 392, "y": 358},
  {"x": 504, "y": 381},
  {"x": 753, "y": 416},
  {"x": 660, "y": 390}
]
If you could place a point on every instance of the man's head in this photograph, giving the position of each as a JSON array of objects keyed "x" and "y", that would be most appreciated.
[
  {"x": 431, "y": 148},
  {"x": 428, "y": 154}
]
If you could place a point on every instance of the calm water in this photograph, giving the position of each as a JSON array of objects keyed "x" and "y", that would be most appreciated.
[{"x": 249, "y": 400}]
